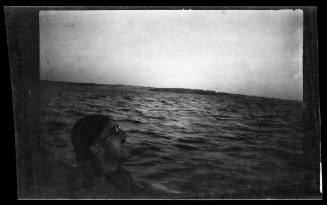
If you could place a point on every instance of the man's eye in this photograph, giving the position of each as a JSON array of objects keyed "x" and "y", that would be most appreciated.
[{"x": 123, "y": 140}]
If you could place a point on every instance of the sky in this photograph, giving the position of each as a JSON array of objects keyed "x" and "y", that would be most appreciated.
[{"x": 251, "y": 52}]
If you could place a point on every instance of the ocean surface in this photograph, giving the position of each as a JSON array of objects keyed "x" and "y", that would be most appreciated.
[{"x": 193, "y": 146}]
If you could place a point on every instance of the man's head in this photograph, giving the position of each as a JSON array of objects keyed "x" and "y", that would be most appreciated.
[{"x": 99, "y": 137}]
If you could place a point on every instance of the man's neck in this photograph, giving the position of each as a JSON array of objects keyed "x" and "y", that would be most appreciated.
[{"x": 110, "y": 167}]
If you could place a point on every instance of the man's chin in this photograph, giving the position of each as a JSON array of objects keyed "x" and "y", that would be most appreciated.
[{"x": 126, "y": 154}]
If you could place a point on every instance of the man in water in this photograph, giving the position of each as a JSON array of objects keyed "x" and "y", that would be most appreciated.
[{"x": 100, "y": 147}]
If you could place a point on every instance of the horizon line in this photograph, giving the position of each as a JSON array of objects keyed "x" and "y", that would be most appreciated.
[{"x": 217, "y": 92}]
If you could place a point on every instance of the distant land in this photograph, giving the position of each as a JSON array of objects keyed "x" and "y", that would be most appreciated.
[
  {"x": 170, "y": 90},
  {"x": 185, "y": 90}
]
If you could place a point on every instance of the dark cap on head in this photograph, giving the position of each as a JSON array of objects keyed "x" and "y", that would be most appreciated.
[{"x": 84, "y": 134}]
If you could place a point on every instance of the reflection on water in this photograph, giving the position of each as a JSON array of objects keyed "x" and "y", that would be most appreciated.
[{"x": 198, "y": 146}]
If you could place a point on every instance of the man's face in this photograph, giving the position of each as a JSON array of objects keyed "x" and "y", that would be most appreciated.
[{"x": 113, "y": 146}]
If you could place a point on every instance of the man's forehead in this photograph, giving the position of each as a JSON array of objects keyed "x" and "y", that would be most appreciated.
[
  {"x": 111, "y": 124},
  {"x": 107, "y": 129}
]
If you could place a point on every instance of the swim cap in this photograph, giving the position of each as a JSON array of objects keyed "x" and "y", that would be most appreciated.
[{"x": 84, "y": 134}]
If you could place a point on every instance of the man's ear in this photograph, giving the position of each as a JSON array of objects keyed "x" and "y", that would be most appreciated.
[{"x": 96, "y": 149}]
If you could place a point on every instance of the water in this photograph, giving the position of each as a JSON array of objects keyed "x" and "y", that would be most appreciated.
[{"x": 194, "y": 146}]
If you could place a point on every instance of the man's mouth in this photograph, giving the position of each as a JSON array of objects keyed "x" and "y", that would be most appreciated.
[{"x": 126, "y": 152}]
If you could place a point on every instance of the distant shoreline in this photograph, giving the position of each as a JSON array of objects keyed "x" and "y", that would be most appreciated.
[{"x": 171, "y": 90}]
